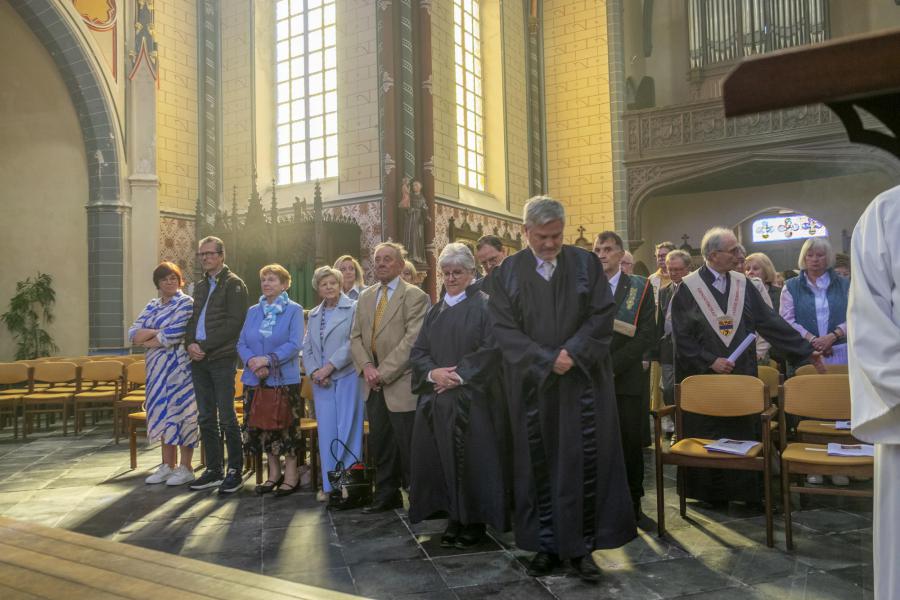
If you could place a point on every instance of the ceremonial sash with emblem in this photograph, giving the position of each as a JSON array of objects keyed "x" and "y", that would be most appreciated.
[
  {"x": 629, "y": 311},
  {"x": 724, "y": 323}
]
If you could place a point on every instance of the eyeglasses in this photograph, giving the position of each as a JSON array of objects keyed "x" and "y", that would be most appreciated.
[
  {"x": 207, "y": 254},
  {"x": 453, "y": 274}
]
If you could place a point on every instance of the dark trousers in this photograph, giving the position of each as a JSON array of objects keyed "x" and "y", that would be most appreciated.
[
  {"x": 631, "y": 428},
  {"x": 390, "y": 439},
  {"x": 214, "y": 390}
]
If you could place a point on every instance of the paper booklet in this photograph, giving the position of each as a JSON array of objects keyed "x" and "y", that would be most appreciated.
[
  {"x": 740, "y": 447},
  {"x": 851, "y": 449},
  {"x": 742, "y": 347},
  {"x": 842, "y": 425}
]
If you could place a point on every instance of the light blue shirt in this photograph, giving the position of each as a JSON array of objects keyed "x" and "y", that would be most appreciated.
[
  {"x": 392, "y": 287},
  {"x": 201, "y": 321}
]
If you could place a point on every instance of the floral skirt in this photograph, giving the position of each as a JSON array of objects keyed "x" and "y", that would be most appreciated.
[{"x": 286, "y": 442}]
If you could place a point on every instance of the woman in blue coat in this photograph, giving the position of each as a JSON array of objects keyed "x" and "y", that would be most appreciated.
[
  {"x": 336, "y": 389},
  {"x": 273, "y": 331}
]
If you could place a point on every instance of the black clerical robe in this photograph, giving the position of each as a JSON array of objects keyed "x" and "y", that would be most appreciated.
[
  {"x": 697, "y": 346},
  {"x": 571, "y": 494},
  {"x": 457, "y": 446}
]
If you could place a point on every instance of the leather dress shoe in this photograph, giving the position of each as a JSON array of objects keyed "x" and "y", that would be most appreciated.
[
  {"x": 471, "y": 535},
  {"x": 384, "y": 505},
  {"x": 643, "y": 522},
  {"x": 586, "y": 568},
  {"x": 542, "y": 564},
  {"x": 448, "y": 539}
]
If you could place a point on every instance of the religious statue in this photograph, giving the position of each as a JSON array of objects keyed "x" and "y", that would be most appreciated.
[{"x": 416, "y": 213}]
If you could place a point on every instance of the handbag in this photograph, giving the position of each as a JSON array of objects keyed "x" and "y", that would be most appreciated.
[
  {"x": 270, "y": 409},
  {"x": 351, "y": 487}
]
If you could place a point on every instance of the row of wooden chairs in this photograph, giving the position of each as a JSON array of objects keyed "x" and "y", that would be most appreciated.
[
  {"x": 819, "y": 399},
  {"x": 70, "y": 388}
]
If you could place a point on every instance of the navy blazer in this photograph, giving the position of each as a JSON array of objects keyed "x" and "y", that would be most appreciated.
[
  {"x": 336, "y": 349},
  {"x": 285, "y": 342}
]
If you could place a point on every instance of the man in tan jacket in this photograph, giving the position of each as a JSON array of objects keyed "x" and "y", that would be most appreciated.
[{"x": 388, "y": 318}]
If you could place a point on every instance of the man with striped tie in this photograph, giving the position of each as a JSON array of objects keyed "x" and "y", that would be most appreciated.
[{"x": 387, "y": 322}]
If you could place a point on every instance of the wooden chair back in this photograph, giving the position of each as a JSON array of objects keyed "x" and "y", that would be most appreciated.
[
  {"x": 238, "y": 385},
  {"x": 136, "y": 373},
  {"x": 829, "y": 370},
  {"x": 56, "y": 372},
  {"x": 772, "y": 378},
  {"x": 722, "y": 395},
  {"x": 101, "y": 370},
  {"x": 818, "y": 396},
  {"x": 13, "y": 373}
]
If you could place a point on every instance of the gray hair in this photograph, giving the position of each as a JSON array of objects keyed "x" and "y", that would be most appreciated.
[
  {"x": 398, "y": 248},
  {"x": 816, "y": 243},
  {"x": 326, "y": 271},
  {"x": 712, "y": 240},
  {"x": 541, "y": 210},
  {"x": 211, "y": 239},
  {"x": 456, "y": 255},
  {"x": 684, "y": 256}
]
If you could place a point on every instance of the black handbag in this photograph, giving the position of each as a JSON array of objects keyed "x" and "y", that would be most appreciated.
[{"x": 351, "y": 487}]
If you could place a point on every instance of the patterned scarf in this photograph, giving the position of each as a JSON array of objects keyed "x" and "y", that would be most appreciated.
[{"x": 271, "y": 312}]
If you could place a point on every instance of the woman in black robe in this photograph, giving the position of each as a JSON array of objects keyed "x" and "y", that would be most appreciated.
[{"x": 456, "y": 446}]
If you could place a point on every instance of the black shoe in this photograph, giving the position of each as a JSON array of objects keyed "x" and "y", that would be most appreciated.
[
  {"x": 232, "y": 483},
  {"x": 644, "y": 522},
  {"x": 286, "y": 490},
  {"x": 542, "y": 564},
  {"x": 471, "y": 535},
  {"x": 448, "y": 539},
  {"x": 384, "y": 505},
  {"x": 269, "y": 485},
  {"x": 207, "y": 480},
  {"x": 586, "y": 568}
]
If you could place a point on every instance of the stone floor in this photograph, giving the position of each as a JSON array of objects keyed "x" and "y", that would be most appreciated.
[{"x": 84, "y": 484}]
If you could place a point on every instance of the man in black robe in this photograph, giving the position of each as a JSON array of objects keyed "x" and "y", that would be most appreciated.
[
  {"x": 700, "y": 349},
  {"x": 553, "y": 316},
  {"x": 634, "y": 333}
]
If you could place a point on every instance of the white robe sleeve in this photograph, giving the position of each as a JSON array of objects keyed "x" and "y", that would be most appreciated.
[{"x": 874, "y": 322}]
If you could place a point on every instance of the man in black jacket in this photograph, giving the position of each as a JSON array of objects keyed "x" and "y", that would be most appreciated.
[
  {"x": 634, "y": 332},
  {"x": 220, "y": 306}
]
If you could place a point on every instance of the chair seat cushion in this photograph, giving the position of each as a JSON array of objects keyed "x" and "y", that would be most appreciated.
[
  {"x": 47, "y": 397},
  {"x": 94, "y": 396},
  {"x": 817, "y": 454},
  {"x": 134, "y": 398},
  {"x": 18, "y": 391},
  {"x": 104, "y": 388},
  {"x": 137, "y": 416},
  {"x": 821, "y": 428},
  {"x": 694, "y": 447}
]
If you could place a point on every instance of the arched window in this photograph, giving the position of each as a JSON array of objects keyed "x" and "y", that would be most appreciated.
[
  {"x": 469, "y": 95},
  {"x": 306, "y": 90}
]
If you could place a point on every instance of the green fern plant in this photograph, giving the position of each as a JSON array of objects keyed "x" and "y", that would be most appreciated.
[{"x": 30, "y": 309}]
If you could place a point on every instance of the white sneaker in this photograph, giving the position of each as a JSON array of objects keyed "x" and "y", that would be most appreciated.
[
  {"x": 815, "y": 479},
  {"x": 321, "y": 496},
  {"x": 161, "y": 474},
  {"x": 840, "y": 480},
  {"x": 180, "y": 476}
]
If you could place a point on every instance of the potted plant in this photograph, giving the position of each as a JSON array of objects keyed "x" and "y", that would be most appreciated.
[{"x": 30, "y": 309}]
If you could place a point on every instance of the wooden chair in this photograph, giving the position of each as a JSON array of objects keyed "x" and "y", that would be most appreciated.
[
  {"x": 716, "y": 396},
  {"x": 773, "y": 379},
  {"x": 309, "y": 430},
  {"x": 829, "y": 370},
  {"x": 102, "y": 381},
  {"x": 65, "y": 380},
  {"x": 18, "y": 377},
  {"x": 823, "y": 430},
  {"x": 135, "y": 420},
  {"x": 133, "y": 396},
  {"x": 822, "y": 397}
]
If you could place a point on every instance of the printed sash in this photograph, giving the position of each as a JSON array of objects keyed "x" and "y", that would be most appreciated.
[
  {"x": 723, "y": 323},
  {"x": 628, "y": 312}
]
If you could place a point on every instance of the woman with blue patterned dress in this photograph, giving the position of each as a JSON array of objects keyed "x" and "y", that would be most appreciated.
[{"x": 170, "y": 403}]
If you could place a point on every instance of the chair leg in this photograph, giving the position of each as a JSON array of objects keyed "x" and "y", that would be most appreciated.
[
  {"x": 682, "y": 501},
  {"x": 65, "y": 418},
  {"x": 660, "y": 501},
  {"x": 132, "y": 444},
  {"x": 767, "y": 488},
  {"x": 202, "y": 455},
  {"x": 314, "y": 459},
  {"x": 786, "y": 500},
  {"x": 258, "y": 467},
  {"x": 116, "y": 424}
]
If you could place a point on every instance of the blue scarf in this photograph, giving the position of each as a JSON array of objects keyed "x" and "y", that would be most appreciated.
[{"x": 271, "y": 312}]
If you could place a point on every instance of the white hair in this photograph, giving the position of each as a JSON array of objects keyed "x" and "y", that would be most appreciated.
[
  {"x": 541, "y": 210},
  {"x": 712, "y": 240},
  {"x": 456, "y": 254},
  {"x": 679, "y": 254},
  {"x": 816, "y": 243}
]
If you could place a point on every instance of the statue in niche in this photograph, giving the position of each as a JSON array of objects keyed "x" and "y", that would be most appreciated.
[{"x": 416, "y": 213}]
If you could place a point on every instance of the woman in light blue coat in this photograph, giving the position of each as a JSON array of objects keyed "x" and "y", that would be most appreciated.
[{"x": 336, "y": 390}]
